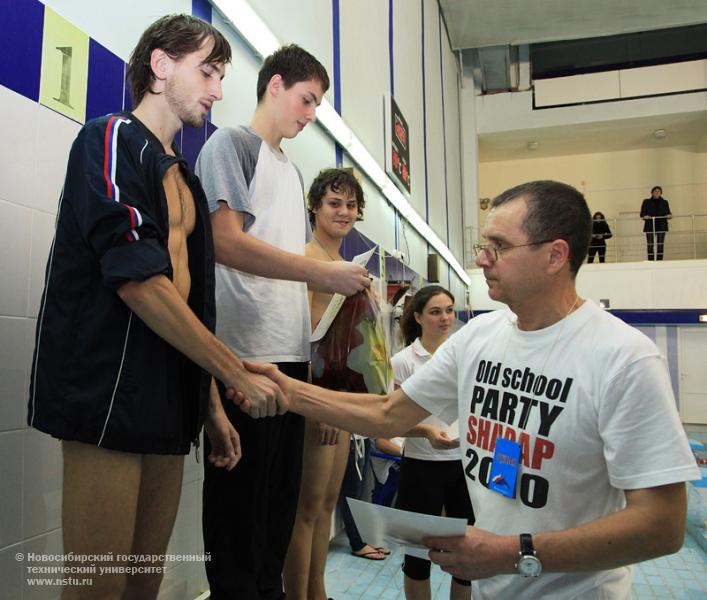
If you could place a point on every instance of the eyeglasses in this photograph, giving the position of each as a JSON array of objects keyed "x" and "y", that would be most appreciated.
[{"x": 493, "y": 253}]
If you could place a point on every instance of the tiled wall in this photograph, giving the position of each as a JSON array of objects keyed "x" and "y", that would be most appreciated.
[{"x": 30, "y": 467}]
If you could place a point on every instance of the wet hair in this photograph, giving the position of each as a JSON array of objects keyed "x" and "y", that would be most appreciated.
[
  {"x": 336, "y": 180},
  {"x": 409, "y": 327},
  {"x": 656, "y": 187},
  {"x": 177, "y": 35},
  {"x": 293, "y": 64},
  {"x": 555, "y": 211},
  {"x": 600, "y": 215}
]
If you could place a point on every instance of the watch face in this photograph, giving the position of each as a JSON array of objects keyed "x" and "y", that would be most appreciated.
[{"x": 529, "y": 566}]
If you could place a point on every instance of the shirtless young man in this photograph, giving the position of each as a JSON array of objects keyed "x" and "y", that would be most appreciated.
[
  {"x": 127, "y": 315},
  {"x": 335, "y": 204}
]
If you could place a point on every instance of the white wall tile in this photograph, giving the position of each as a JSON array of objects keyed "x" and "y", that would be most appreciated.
[
  {"x": 50, "y": 544},
  {"x": 433, "y": 116},
  {"x": 40, "y": 244},
  {"x": 11, "y": 488},
  {"x": 415, "y": 247},
  {"x": 194, "y": 471},
  {"x": 15, "y": 223},
  {"x": 378, "y": 217},
  {"x": 452, "y": 128},
  {"x": 186, "y": 539},
  {"x": 121, "y": 32},
  {"x": 11, "y": 571},
  {"x": 174, "y": 585},
  {"x": 29, "y": 352},
  {"x": 13, "y": 372},
  {"x": 308, "y": 24},
  {"x": 17, "y": 146},
  {"x": 407, "y": 55},
  {"x": 187, "y": 580},
  {"x": 55, "y": 134},
  {"x": 186, "y": 536},
  {"x": 239, "y": 84},
  {"x": 42, "y": 479},
  {"x": 364, "y": 71},
  {"x": 197, "y": 583},
  {"x": 312, "y": 151}
]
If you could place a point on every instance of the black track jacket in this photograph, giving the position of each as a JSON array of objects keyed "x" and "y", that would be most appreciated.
[{"x": 99, "y": 374}]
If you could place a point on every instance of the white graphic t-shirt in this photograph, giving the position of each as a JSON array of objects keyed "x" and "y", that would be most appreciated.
[{"x": 590, "y": 402}]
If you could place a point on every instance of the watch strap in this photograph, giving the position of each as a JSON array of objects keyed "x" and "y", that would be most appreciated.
[{"x": 526, "y": 545}]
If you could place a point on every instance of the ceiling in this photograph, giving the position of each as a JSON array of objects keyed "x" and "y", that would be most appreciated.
[
  {"x": 484, "y": 23},
  {"x": 477, "y": 23},
  {"x": 686, "y": 129}
]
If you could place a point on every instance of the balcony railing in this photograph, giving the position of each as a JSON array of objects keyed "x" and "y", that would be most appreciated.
[{"x": 686, "y": 239}]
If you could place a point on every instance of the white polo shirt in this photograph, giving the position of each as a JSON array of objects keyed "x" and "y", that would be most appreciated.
[{"x": 405, "y": 363}]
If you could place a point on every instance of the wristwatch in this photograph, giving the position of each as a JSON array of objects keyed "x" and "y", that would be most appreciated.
[{"x": 528, "y": 564}]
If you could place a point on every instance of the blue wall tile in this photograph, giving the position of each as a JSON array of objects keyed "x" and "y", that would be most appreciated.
[
  {"x": 354, "y": 243},
  {"x": 210, "y": 128},
  {"x": 393, "y": 269},
  {"x": 21, "y": 46},
  {"x": 105, "y": 81},
  {"x": 193, "y": 140},
  {"x": 178, "y": 138},
  {"x": 127, "y": 100},
  {"x": 201, "y": 9},
  {"x": 396, "y": 270}
]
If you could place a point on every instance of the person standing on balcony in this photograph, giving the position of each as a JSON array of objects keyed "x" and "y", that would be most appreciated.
[
  {"x": 600, "y": 233},
  {"x": 655, "y": 212}
]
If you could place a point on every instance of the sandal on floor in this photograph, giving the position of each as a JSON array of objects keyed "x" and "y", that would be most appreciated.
[
  {"x": 383, "y": 550},
  {"x": 370, "y": 555}
]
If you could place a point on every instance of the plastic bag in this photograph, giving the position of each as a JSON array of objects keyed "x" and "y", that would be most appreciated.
[{"x": 353, "y": 355}]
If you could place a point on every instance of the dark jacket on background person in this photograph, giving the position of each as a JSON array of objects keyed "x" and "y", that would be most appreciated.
[
  {"x": 655, "y": 207},
  {"x": 600, "y": 227},
  {"x": 100, "y": 375}
]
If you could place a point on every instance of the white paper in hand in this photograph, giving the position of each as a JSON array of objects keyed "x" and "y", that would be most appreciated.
[
  {"x": 385, "y": 526},
  {"x": 337, "y": 300}
]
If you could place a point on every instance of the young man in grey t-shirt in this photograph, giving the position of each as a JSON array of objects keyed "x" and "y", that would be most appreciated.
[{"x": 260, "y": 228}]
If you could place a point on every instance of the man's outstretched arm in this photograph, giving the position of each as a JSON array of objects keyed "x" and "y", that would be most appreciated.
[{"x": 366, "y": 414}]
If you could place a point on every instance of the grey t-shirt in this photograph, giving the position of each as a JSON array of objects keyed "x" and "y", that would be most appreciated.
[{"x": 259, "y": 318}]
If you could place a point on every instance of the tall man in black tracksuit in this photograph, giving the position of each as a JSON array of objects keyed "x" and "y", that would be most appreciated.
[{"x": 124, "y": 355}]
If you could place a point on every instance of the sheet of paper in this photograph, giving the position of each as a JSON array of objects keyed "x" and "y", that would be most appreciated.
[
  {"x": 337, "y": 300},
  {"x": 385, "y": 526}
]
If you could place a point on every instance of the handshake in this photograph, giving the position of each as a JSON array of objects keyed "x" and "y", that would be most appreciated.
[{"x": 260, "y": 390}]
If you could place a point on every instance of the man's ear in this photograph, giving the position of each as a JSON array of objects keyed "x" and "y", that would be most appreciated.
[
  {"x": 160, "y": 64},
  {"x": 275, "y": 85},
  {"x": 558, "y": 256}
]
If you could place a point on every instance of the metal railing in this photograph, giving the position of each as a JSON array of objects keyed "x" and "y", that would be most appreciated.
[{"x": 686, "y": 239}]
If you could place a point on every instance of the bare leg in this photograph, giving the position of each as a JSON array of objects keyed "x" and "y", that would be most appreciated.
[
  {"x": 100, "y": 501},
  {"x": 160, "y": 489},
  {"x": 459, "y": 592},
  {"x": 317, "y": 462},
  {"x": 416, "y": 589},
  {"x": 322, "y": 526}
]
